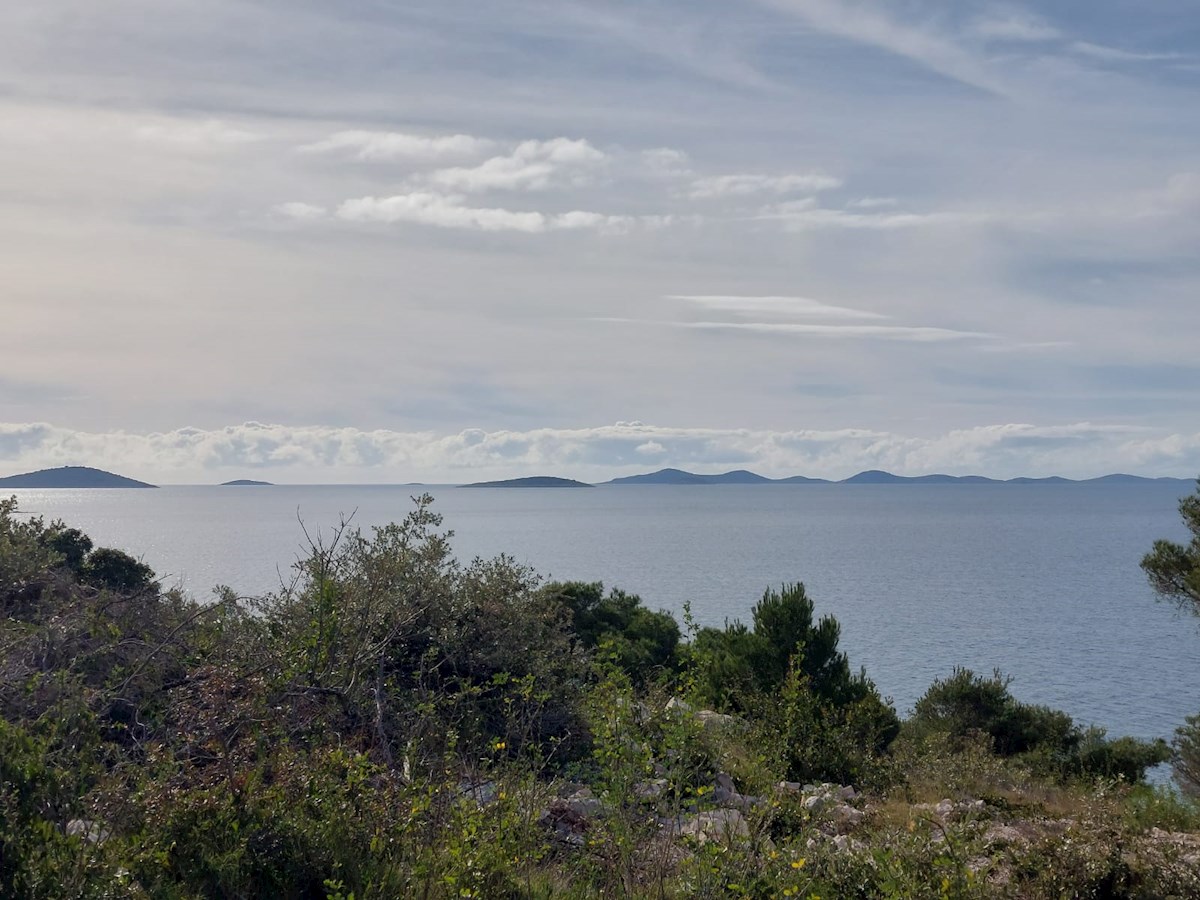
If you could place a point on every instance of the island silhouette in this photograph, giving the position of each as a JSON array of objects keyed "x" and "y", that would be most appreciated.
[{"x": 71, "y": 477}]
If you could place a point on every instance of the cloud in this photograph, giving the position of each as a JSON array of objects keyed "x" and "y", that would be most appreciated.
[
  {"x": 313, "y": 453},
  {"x": 666, "y": 161},
  {"x": 382, "y": 146},
  {"x": 867, "y": 23},
  {"x": 872, "y": 202},
  {"x": 451, "y": 211},
  {"x": 211, "y": 132},
  {"x": 531, "y": 166},
  {"x": 1016, "y": 27},
  {"x": 807, "y": 214},
  {"x": 440, "y": 210},
  {"x": 302, "y": 212},
  {"x": 745, "y": 185},
  {"x": 802, "y": 307},
  {"x": 918, "y": 334},
  {"x": 1117, "y": 55}
]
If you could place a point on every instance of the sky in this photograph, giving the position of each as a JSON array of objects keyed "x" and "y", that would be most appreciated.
[{"x": 442, "y": 241}]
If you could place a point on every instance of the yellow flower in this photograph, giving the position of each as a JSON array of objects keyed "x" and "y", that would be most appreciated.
[
  {"x": 799, "y": 863},
  {"x": 500, "y": 745}
]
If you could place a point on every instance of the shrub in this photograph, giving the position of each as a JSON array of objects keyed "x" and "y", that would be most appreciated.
[
  {"x": 1187, "y": 756},
  {"x": 640, "y": 641},
  {"x": 787, "y": 672},
  {"x": 116, "y": 571},
  {"x": 1048, "y": 740},
  {"x": 421, "y": 654}
]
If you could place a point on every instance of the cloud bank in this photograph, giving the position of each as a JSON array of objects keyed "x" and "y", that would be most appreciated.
[{"x": 324, "y": 454}]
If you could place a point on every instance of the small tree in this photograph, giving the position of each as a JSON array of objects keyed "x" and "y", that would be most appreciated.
[
  {"x": 641, "y": 641},
  {"x": 116, "y": 570},
  {"x": 1174, "y": 573},
  {"x": 1174, "y": 569}
]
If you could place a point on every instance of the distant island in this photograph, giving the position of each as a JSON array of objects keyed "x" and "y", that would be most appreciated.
[
  {"x": 71, "y": 477},
  {"x": 536, "y": 481},
  {"x": 871, "y": 476},
  {"x": 245, "y": 482},
  {"x": 678, "y": 476}
]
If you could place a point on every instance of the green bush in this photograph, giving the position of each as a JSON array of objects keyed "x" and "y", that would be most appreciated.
[
  {"x": 1187, "y": 756},
  {"x": 116, "y": 571},
  {"x": 826, "y": 722},
  {"x": 642, "y": 642},
  {"x": 966, "y": 704},
  {"x": 736, "y": 663}
]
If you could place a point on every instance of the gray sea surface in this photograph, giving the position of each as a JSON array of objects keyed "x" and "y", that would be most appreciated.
[{"x": 1040, "y": 581}]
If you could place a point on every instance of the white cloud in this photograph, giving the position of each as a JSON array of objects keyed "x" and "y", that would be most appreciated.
[
  {"x": 810, "y": 215},
  {"x": 745, "y": 185},
  {"x": 440, "y": 210},
  {"x": 211, "y": 132},
  {"x": 1115, "y": 54},
  {"x": 302, "y": 212},
  {"x": 667, "y": 162},
  {"x": 919, "y": 334},
  {"x": 531, "y": 166},
  {"x": 866, "y": 23},
  {"x": 309, "y": 453},
  {"x": 452, "y": 211},
  {"x": 380, "y": 146},
  {"x": 872, "y": 202},
  {"x": 1016, "y": 27},
  {"x": 801, "y": 307}
]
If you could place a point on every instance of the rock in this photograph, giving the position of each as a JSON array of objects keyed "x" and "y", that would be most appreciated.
[
  {"x": 583, "y": 803},
  {"x": 1003, "y": 834},
  {"x": 484, "y": 792},
  {"x": 678, "y": 705},
  {"x": 92, "y": 832},
  {"x": 719, "y": 825},
  {"x": 724, "y": 781},
  {"x": 651, "y": 790},
  {"x": 789, "y": 787},
  {"x": 847, "y": 844},
  {"x": 845, "y": 816},
  {"x": 949, "y": 811},
  {"x": 715, "y": 720}
]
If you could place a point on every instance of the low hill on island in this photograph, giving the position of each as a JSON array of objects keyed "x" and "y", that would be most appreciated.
[
  {"x": 535, "y": 481},
  {"x": 245, "y": 482},
  {"x": 71, "y": 477},
  {"x": 678, "y": 476},
  {"x": 871, "y": 476}
]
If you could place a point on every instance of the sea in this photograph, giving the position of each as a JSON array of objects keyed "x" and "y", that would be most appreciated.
[{"x": 1040, "y": 582}]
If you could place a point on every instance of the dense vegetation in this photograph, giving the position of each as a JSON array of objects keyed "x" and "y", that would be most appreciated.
[{"x": 393, "y": 723}]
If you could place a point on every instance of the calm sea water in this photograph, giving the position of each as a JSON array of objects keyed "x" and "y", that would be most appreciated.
[{"x": 1040, "y": 581}]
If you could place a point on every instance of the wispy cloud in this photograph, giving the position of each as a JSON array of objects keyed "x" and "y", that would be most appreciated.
[
  {"x": 1117, "y": 55},
  {"x": 809, "y": 215},
  {"x": 800, "y": 307},
  {"x": 452, "y": 211},
  {"x": 531, "y": 166},
  {"x": 395, "y": 145},
  {"x": 210, "y": 132},
  {"x": 1015, "y": 27},
  {"x": 302, "y": 212},
  {"x": 745, "y": 185},
  {"x": 667, "y": 161},
  {"x": 918, "y": 334},
  {"x": 872, "y": 203},
  {"x": 868, "y": 23}
]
